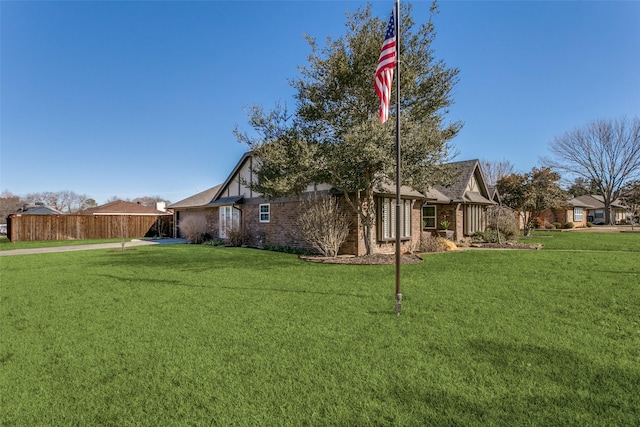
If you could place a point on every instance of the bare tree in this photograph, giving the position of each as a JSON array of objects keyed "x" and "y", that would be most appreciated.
[
  {"x": 581, "y": 187},
  {"x": 88, "y": 203},
  {"x": 48, "y": 198},
  {"x": 494, "y": 171},
  {"x": 114, "y": 199},
  {"x": 502, "y": 221},
  {"x": 70, "y": 201},
  {"x": 150, "y": 200},
  {"x": 606, "y": 152},
  {"x": 9, "y": 204},
  {"x": 65, "y": 201},
  {"x": 324, "y": 224}
]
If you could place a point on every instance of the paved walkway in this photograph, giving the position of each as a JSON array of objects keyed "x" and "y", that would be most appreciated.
[{"x": 118, "y": 245}]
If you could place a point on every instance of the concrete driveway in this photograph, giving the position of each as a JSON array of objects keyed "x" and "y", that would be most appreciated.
[{"x": 135, "y": 242}]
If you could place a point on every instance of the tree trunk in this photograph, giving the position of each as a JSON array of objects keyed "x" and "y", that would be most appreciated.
[
  {"x": 527, "y": 224},
  {"x": 607, "y": 212},
  {"x": 498, "y": 225},
  {"x": 367, "y": 217},
  {"x": 368, "y": 221}
]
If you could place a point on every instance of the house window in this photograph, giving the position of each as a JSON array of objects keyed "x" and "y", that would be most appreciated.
[
  {"x": 428, "y": 217},
  {"x": 387, "y": 219},
  {"x": 577, "y": 214},
  {"x": 229, "y": 220},
  {"x": 265, "y": 213}
]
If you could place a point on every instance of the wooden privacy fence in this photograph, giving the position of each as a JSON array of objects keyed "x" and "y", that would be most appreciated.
[{"x": 22, "y": 228}]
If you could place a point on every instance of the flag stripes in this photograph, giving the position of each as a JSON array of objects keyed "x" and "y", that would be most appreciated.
[{"x": 384, "y": 72}]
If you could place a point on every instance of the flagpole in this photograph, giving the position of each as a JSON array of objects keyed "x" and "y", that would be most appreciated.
[{"x": 398, "y": 222}]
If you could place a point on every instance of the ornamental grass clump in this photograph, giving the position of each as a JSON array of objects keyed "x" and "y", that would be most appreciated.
[
  {"x": 193, "y": 228},
  {"x": 431, "y": 243}
]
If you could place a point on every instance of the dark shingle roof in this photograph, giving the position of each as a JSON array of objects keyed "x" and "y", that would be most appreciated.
[
  {"x": 42, "y": 210},
  {"x": 201, "y": 199},
  {"x": 463, "y": 172},
  {"x": 596, "y": 201}
]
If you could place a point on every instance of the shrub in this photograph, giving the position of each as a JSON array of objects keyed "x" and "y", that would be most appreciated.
[
  {"x": 429, "y": 243},
  {"x": 234, "y": 236},
  {"x": 557, "y": 225},
  {"x": 288, "y": 250},
  {"x": 488, "y": 236},
  {"x": 502, "y": 219},
  {"x": 213, "y": 242},
  {"x": 323, "y": 224},
  {"x": 567, "y": 225},
  {"x": 589, "y": 224},
  {"x": 193, "y": 228}
]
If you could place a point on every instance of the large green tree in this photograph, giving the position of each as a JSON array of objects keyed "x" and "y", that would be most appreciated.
[
  {"x": 531, "y": 194},
  {"x": 334, "y": 134}
]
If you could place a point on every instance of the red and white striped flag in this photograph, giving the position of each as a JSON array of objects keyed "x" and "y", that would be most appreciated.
[{"x": 384, "y": 72}]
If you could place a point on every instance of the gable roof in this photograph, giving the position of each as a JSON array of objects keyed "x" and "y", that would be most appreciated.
[
  {"x": 200, "y": 199},
  {"x": 464, "y": 172},
  {"x": 390, "y": 188},
  {"x": 41, "y": 210},
  {"x": 433, "y": 194},
  {"x": 577, "y": 203},
  {"x": 120, "y": 207},
  {"x": 494, "y": 194},
  {"x": 595, "y": 201},
  {"x": 246, "y": 156}
]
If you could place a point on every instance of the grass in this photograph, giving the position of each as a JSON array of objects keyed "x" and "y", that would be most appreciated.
[
  {"x": 197, "y": 335},
  {"x": 6, "y": 245}
]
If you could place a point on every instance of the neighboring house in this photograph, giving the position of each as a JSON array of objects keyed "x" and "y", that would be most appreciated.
[
  {"x": 39, "y": 209},
  {"x": 156, "y": 219},
  {"x": 574, "y": 212},
  {"x": 120, "y": 207},
  {"x": 233, "y": 205},
  {"x": 594, "y": 205}
]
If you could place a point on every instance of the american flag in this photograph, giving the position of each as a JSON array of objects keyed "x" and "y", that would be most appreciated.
[{"x": 384, "y": 72}]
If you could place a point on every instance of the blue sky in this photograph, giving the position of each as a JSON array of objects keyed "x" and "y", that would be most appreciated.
[{"x": 135, "y": 99}]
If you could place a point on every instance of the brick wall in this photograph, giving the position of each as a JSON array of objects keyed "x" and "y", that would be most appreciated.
[{"x": 281, "y": 230}]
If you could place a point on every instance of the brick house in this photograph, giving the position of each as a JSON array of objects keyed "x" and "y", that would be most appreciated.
[
  {"x": 574, "y": 212},
  {"x": 595, "y": 209},
  {"x": 580, "y": 210},
  {"x": 232, "y": 205}
]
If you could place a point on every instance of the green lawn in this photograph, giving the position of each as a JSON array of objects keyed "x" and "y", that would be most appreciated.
[
  {"x": 6, "y": 245},
  {"x": 199, "y": 335}
]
